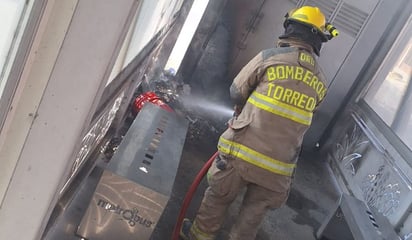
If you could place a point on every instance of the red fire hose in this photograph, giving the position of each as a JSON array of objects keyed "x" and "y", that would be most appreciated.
[{"x": 189, "y": 196}]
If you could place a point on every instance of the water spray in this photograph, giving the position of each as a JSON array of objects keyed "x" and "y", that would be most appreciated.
[{"x": 208, "y": 107}]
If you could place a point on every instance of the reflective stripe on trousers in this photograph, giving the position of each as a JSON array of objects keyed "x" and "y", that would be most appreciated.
[
  {"x": 197, "y": 234},
  {"x": 251, "y": 156},
  {"x": 224, "y": 187},
  {"x": 281, "y": 109}
]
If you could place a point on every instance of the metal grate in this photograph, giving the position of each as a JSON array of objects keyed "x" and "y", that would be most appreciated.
[
  {"x": 154, "y": 144},
  {"x": 350, "y": 19}
]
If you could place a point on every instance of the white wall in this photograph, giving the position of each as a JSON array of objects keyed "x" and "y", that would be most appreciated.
[{"x": 64, "y": 76}]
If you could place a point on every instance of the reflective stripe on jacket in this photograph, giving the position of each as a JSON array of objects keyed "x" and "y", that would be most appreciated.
[
  {"x": 279, "y": 90},
  {"x": 284, "y": 110}
]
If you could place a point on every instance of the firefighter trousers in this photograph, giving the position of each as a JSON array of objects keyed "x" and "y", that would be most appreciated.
[{"x": 224, "y": 186}]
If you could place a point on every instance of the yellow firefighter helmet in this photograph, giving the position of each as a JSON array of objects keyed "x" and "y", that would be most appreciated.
[
  {"x": 314, "y": 18},
  {"x": 308, "y": 15}
]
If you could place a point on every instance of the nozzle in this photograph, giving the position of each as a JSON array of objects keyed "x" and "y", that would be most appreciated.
[
  {"x": 221, "y": 163},
  {"x": 332, "y": 30},
  {"x": 238, "y": 110}
]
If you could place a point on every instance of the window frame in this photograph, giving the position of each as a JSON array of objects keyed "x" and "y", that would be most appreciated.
[
  {"x": 404, "y": 151},
  {"x": 385, "y": 65},
  {"x": 20, "y": 58}
]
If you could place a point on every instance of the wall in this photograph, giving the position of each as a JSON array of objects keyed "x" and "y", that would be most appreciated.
[{"x": 70, "y": 54}]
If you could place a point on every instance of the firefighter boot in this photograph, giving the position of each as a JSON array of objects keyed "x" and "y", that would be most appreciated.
[
  {"x": 185, "y": 229},
  {"x": 189, "y": 231}
]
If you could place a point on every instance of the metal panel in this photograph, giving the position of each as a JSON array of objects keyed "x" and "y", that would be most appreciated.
[
  {"x": 350, "y": 19},
  {"x": 352, "y": 219},
  {"x": 150, "y": 152},
  {"x": 369, "y": 169},
  {"x": 257, "y": 27},
  {"x": 121, "y": 209},
  {"x": 135, "y": 188}
]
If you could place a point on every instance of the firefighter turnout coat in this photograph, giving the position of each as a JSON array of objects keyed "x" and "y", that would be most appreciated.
[{"x": 279, "y": 90}]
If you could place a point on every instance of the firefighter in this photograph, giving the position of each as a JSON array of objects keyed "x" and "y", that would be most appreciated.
[{"x": 275, "y": 96}]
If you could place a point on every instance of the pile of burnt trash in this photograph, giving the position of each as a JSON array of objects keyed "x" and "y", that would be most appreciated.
[
  {"x": 207, "y": 119},
  {"x": 204, "y": 121}
]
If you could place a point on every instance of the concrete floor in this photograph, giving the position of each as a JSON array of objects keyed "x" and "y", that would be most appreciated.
[{"x": 311, "y": 199}]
